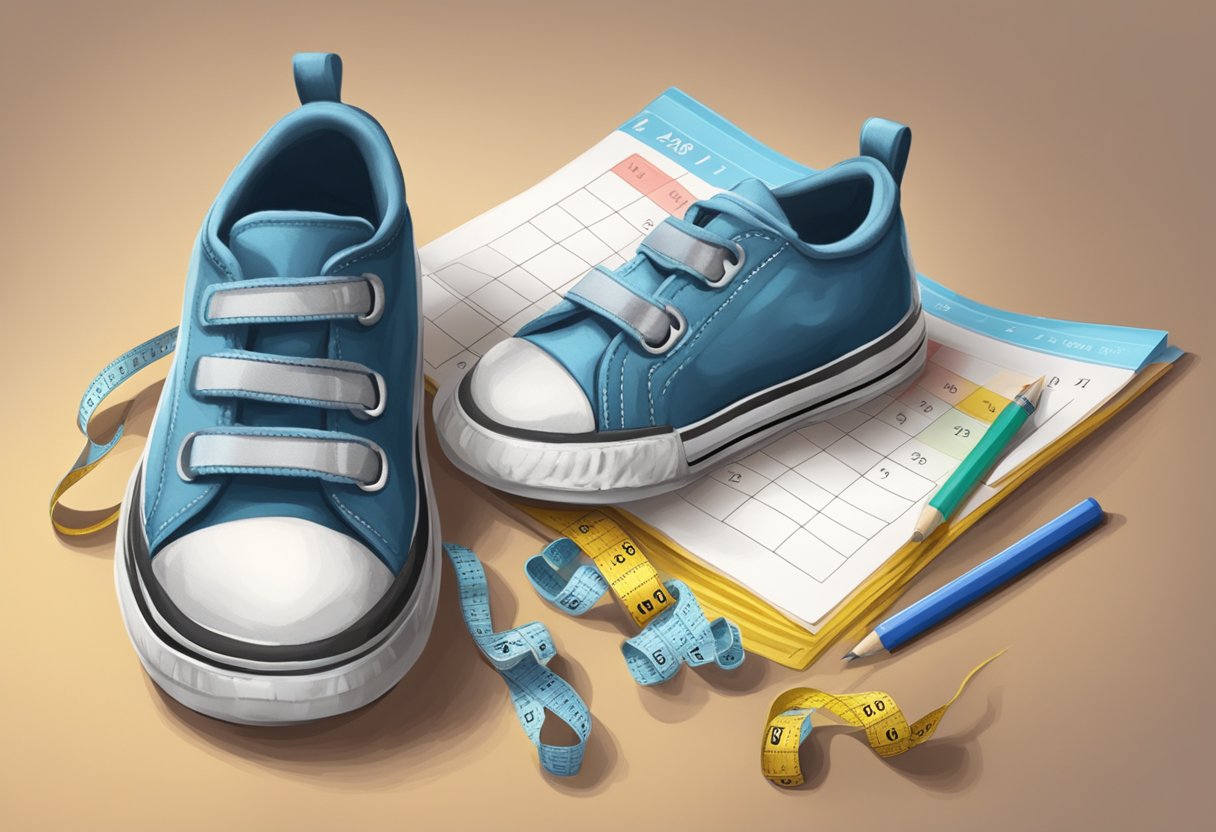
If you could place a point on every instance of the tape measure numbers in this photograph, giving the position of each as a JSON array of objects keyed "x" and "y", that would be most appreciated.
[
  {"x": 620, "y": 560},
  {"x": 887, "y": 730},
  {"x": 675, "y": 630},
  {"x": 103, "y": 384},
  {"x": 520, "y": 656}
]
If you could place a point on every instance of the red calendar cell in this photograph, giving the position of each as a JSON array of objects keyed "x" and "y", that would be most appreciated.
[
  {"x": 641, "y": 174},
  {"x": 673, "y": 198}
]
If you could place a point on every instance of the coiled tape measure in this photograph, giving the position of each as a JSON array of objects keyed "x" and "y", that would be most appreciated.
[
  {"x": 886, "y": 727},
  {"x": 520, "y": 656},
  {"x": 675, "y": 630}
]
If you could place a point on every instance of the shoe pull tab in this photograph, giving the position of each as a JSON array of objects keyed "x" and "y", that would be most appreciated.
[
  {"x": 318, "y": 76},
  {"x": 888, "y": 142}
]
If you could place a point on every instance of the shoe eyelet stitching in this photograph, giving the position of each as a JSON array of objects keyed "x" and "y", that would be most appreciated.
[{"x": 739, "y": 287}]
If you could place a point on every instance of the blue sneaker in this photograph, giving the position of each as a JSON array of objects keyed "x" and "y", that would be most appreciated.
[
  {"x": 277, "y": 548},
  {"x": 759, "y": 312}
]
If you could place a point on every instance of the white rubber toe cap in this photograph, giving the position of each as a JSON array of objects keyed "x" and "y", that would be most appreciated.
[
  {"x": 272, "y": 580},
  {"x": 520, "y": 385}
]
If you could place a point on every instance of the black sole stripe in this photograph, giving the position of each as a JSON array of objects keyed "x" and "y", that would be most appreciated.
[
  {"x": 464, "y": 395},
  {"x": 810, "y": 408},
  {"x": 888, "y": 340}
]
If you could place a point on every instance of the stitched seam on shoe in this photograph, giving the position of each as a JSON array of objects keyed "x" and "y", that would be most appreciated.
[
  {"x": 620, "y": 272},
  {"x": 604, "y": 389},
  {"x": 629, "y": 267},
  {"x": 623, "y": 360},
  {"x": 364, "y": 523},
  {"x": 290, "y": 433},
  {"x": 164, "y": 461},
  {"x": 704, "y": 326},
  {"x": 373, "y": 253},
  {"x": 337, "y": 226},
  {"x": 183, "y": 509},
  {"x": 654, "y": 367}
]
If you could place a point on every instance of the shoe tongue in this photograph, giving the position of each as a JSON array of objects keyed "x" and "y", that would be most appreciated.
[
  {"x": 285, "y": 244},
  {"x": 292, "y": 243}
]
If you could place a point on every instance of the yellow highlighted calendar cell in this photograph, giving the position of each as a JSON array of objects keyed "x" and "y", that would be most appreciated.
[{"x": 983, "y": 404}]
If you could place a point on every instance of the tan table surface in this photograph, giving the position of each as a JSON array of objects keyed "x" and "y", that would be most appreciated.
[{"x": 1062, "y": 166}]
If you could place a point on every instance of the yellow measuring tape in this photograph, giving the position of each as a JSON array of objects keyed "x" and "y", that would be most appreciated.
[
  {"x": 619, "y": 558},
  {"x": 887, "y": 730}
]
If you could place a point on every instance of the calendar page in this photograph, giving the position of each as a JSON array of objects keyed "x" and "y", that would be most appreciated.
[{"x": 807, "y": 519}]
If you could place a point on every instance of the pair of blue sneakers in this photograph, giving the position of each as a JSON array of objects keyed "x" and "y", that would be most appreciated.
[{"x": 278, "y": 549}]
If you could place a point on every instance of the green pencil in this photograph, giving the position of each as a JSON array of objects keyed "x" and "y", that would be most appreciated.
[{"x": 979, "y": 462}]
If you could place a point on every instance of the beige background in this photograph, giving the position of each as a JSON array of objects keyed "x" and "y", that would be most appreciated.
[{"x": 1062, "y": 165}]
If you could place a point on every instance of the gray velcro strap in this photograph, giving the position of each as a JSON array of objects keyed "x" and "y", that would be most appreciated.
[
  {"x": 605, "y": 294},
  {"x": 320, "y": 382},
  {"x": 705, "y": 259},
  {"x": 342, "y": 460},
  {"x": 319, "y": 298}
]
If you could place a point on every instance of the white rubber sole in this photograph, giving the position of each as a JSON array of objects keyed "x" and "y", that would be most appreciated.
[
  {"x": 300, "y": 695},
  {"x": 647, "y": 464}
]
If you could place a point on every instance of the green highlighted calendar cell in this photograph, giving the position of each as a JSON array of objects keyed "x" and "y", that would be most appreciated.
[{"x": 954, "y": 433}]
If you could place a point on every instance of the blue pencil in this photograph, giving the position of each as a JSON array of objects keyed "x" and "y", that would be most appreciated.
[{"x": 989, "y": 575}]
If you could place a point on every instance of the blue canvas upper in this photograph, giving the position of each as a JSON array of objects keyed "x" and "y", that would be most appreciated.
[
  {"x": 826, "y": 269},
  {"x": 321, "y": 194}
]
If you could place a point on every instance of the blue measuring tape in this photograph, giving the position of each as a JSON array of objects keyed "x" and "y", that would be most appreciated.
[
  {"x": 679, "y": 635},
  {"x": 520, "y": 656},
  {"x": 102, "y": 385}
]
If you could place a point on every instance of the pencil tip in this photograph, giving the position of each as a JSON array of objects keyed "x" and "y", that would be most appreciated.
[
  {"x": 930, "y": 518},
  {"x": 1033, "y": 391},
  {"x": 848, "y": 657}
]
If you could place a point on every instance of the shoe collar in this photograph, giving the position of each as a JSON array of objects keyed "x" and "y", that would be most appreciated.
[
  {"x": 312, "y": 119},
  {"x": 884, "y": 205}
]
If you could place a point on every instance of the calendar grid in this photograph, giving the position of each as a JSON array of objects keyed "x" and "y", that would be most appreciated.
[{"x": 816, "y": 496}]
